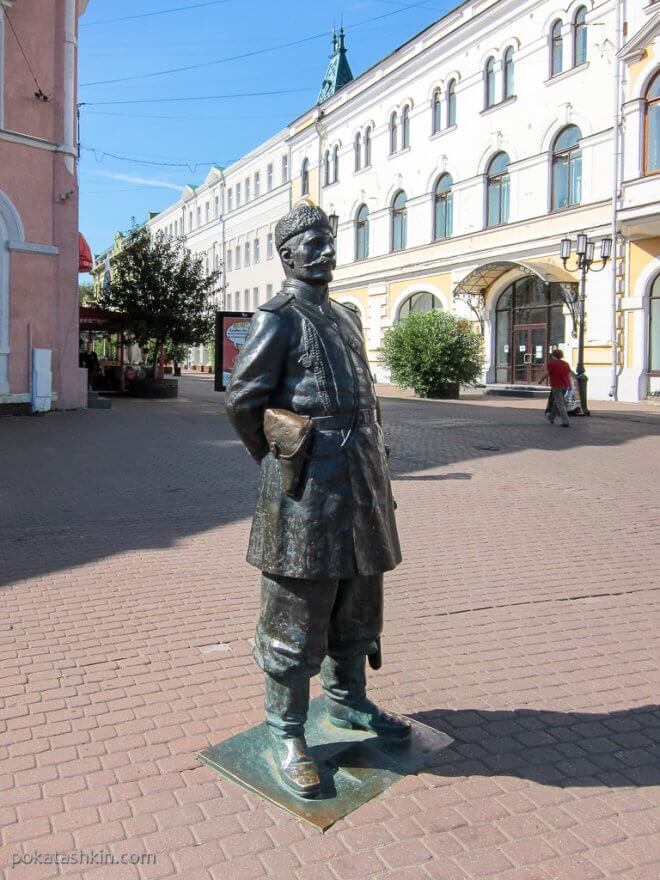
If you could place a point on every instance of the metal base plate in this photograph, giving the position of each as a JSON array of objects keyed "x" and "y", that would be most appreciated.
[{"x": 354, "y": 766}]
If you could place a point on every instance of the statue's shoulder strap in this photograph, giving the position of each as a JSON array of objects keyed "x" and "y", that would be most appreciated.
[
  {"x": 277, "y": 302},
  {"x": 352, "y": 308}
]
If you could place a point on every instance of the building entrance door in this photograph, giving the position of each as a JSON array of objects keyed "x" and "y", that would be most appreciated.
[{"x": 530, "y": 355}]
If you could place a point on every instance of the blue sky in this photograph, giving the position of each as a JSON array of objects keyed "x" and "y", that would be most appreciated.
[{"x": 196, "y": 133}]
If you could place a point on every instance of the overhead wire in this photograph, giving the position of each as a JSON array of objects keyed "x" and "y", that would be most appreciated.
[
  {"x": 151, "y": 14},
  {"x": 251, "y": 54},
  {"x": 193, "y": 98},
  {"x": 40, "y": 92},
  {"x": 191, "y": 165}
]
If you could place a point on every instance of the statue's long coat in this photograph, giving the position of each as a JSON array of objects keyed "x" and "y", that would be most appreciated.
[{"x": 341, "y": 522}]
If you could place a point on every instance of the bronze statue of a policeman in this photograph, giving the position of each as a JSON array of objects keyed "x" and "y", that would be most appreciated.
[{"x": 324, "y": 529}]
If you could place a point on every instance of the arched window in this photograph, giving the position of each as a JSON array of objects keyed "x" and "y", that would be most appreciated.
[
  {"x": 394, "y": 134},
  {"x": 357, "y": 150},
  {"x": 418, "y": 304},
  {"x": 443, "y": 207},
  {"x": 498, "y": 190},
  {"x": 489, "y": 83},
  {"x": 652, "y": 139},
  {"x": 567, "y": 169},
  {"x": 654, "y": 328},
  {"x": 405, "y": 127},
  {"x": 580, "y": 37},
  {"x": 362, "y": 233},
  {"x": 367, "y": 146},
  {"x": 335, "y": 164},
  {"x": 436, "y": 107},
  {"x": 451, "y": 103},
  {"x": 507, "y": 73},
  {"x": 399, "y": 221},
  {"x": 326, "y": 168},
  {"x": 304, "y": 174},
  {"x": 556, "y": 49}
]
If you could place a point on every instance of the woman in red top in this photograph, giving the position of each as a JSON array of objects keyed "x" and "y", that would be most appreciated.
[{"x": 560, "y": 381}]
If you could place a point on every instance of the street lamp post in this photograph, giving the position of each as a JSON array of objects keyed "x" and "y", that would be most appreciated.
[{"x": 585, "y": 251}]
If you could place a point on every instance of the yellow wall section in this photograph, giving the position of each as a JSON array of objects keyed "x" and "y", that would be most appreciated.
[
  {"x": 636, "y": 70},
  {"x": 440, "y": 282},
  {"x": 642, "y": 252}
]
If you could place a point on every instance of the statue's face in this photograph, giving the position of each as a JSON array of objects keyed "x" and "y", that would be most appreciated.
[{"x": 310, "y": 256}]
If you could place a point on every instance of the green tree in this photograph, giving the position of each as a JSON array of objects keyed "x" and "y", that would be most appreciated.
[
  {"x": 163, "y": 290},
  {"x": 433, "y": 353},
  {"x": 86, "y": 294}
]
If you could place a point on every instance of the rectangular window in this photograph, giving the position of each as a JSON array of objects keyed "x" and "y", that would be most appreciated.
[
  {"x": 257, "y": 250},
  {"x": 207, "y": 212},
  {"x": 269, "y": 246},
  {"x": 199, "y": 217},
  {"x": 247, "y": 253},
  {"x": 269, "y": 292},
  {"x": 246, "y": 300},
  {"x": 269, "y": 177},
  {"x": 257, "y": 184},
  {"x": 237, "y": 257},
  {"x": 217, "y": 207},
  {"x": 230, "y": 199},
  {"x": 285, "y": 168},
  {"x": 238, "y": 195},
  {"x": 228, "y": 304},
  {"x": 255, "y": 298},
  {"x": 190, "y": 221},
  {"x": 229, "y": 259},
  {"x": 247, "y": 190}
]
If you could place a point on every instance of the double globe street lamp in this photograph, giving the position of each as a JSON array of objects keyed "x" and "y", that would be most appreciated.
[{"x": 585, "y": 252}]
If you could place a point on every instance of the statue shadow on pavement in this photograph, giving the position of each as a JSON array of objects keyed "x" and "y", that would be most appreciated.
[{"x": 559, "y": 749}]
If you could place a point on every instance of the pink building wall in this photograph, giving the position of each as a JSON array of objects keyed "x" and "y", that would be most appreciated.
[{"x": 39, "y": 199}]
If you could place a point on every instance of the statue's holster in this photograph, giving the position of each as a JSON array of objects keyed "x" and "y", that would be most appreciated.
[{"x": 289, "y": 436}]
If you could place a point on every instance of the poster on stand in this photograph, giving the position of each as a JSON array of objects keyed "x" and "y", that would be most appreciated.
[{"x": 230, "y": 332}]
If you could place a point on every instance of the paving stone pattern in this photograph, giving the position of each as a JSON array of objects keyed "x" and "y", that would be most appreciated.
[{"x": 524, "y": 622}]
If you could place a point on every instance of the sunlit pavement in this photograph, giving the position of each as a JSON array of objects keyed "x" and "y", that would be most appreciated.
[{"x": 524, "y": 622}]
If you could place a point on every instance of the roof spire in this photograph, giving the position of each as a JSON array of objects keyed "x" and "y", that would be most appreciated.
[{"x": 339, "y": 72}]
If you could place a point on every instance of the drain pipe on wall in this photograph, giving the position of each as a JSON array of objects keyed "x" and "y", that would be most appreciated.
[{"x": 618, "y": 177}]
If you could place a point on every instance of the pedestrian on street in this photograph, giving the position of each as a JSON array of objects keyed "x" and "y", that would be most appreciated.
[{"x": 560, "y": 374}]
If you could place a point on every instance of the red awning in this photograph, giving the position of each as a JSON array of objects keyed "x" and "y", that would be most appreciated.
[{"x": 85, "y": 259}]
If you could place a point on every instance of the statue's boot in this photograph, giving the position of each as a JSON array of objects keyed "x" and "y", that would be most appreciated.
[
  {"x": 286, "y": 712},
  {"x": 345, "y": 684}
]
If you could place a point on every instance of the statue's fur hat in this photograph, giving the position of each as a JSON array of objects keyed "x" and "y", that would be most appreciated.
[{"x": 299, "y": 219}]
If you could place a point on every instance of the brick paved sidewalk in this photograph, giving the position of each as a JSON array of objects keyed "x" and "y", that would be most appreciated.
[{"x": 524, "y": 622}]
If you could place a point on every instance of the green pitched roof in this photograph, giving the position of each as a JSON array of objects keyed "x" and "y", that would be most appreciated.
[{"x": 339, "y": 71}]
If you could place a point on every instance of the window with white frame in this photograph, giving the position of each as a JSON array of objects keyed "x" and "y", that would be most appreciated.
[
  {"x": 257, "y": 184},
  {"x": 367, "y": 146},
  {"x": 229, "y": 259},
  {"x": 357, "y": 152},
  {"x": 269, "y": 291},
  {"x": 269, "y": 177},
  {"x": 580, "y": 37},
  {"x": 257, "y": 250},
  {"x": 238, "y": 195},
  {"x": 405, "y": 128},
  {"x": 246, "y": 300},
  {"x": 207, "y": 212},
  {"x": 436, "y": 109},
  {"x": 489, "y": 84},
  {"x": 247, "y": 190},
  {"x": 556, "y": 48},
  {"x": 255, "y": 297},
  {"x": 451, "y": 103},
  {"x": 507, "y": 74},
  {"x": 246, "y": 261},
  {"x": 394, "y": 133},
  {"x": 199, "y": 217},
  {"x": 217, "y": 207},
  {"x": 230, "y": 199},
  {"x": 269, "y": 246},
  {"x": 229, "y": 302},
  {"x": 237, "y": 256},
  {"x": 304, "y": 177},
  {"x": 190, "y": 221},
  {"x": 335, "y": 164},
  {"x": 285, "y": 168}
]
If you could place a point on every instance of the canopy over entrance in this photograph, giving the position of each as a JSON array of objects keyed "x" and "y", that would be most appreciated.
[{"x": 482, "y": 278}]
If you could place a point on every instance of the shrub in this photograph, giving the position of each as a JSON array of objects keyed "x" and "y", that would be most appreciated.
[{"x": 433, "y": 353}]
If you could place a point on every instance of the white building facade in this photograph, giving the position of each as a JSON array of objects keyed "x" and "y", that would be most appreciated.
[{"x": 456, "y": 165}]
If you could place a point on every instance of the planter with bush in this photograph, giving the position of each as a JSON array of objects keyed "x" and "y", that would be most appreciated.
[{"x": 434, "y": 354}]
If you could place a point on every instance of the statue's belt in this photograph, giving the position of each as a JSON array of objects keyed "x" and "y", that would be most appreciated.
[{"x": 343, "y": 422}]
